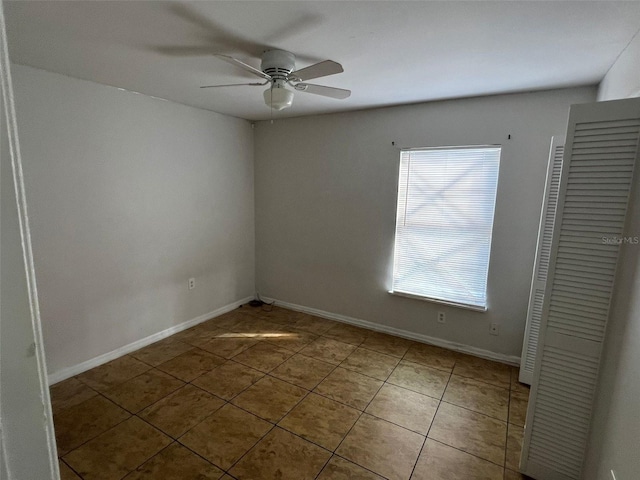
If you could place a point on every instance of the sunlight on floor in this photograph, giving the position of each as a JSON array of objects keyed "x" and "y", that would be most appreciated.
[{"x": 258, "y": 335}]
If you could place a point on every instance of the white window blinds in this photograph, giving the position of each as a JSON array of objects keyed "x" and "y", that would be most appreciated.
[{"x": 446, "y": 200}]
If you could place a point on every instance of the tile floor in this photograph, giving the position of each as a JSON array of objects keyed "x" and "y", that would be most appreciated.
[{"x": 261, "y": 395}]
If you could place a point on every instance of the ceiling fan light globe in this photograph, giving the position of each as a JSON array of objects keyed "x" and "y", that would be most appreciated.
[{"x": 278, "y": 98}]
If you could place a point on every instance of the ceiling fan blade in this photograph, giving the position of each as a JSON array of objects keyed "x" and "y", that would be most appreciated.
[
  {"x": 193, "y": 16},
  {"x": 303, "y": 25},
  {"x": 234, "y": 85},
  {"x": 322, "y": 69},
  {"x": 244, "y": 66},
  {"x": 186, "y": 51},
  {"x": 339, "y": 93},
  {"x": 217, "y": 34}
]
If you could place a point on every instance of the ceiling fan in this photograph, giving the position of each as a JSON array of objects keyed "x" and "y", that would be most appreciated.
[{"x": 278, "y": 70}]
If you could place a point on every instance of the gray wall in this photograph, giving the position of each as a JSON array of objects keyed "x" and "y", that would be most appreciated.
[
  {"x": 130, "y": 196},
  {"x": 326, "y": 202},
  {"x": 623, "y": 78},
  {"x": 615, "y": 432}
]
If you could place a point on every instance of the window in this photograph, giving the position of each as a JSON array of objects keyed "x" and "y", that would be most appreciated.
[{"x": 446, "y": 200}]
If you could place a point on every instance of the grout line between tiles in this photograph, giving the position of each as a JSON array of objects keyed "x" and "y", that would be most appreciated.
[
  {"x": 241, "y": 391},
  {"x": 372, "y": 399},
  {"x": 70, "y": 467},
  {"x": 285, "y": 326},
  {"x": 482, "y": 381},
  {"x": 416, "y": 391},
  {"x": 365, "y": 468},
  {"x": 468, "y": 453},
  {"x": 356, "y": 422},
  {"x": 96, "y": 436},
  {"x": 247, "y": 451},
  {"x": 183, "y": 433},
  {"x": 151, "y": 457},
  {"x": 275, "y": 425},
  {"x": 506, "y": 440},
  {"x": 163, "y": 397},
  {"x": 162, "y": 449},
  {"x": 430, "y": 425},
  {"x": 198, "y": 455},
  {"x": 335, "y": 366},
  {"x": 251, "y": 447},
  {"x": 324, "y": 465},
  {"x": 450, "y": 446},
  {"x": 474, "y": 411}
]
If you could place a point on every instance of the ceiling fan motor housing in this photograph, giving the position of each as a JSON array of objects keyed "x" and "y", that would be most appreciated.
[{"x": 278, "y": 63}]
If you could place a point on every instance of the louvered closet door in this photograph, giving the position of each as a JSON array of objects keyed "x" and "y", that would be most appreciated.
[
  {"x": 541, "y": 264},
  {"x": 601, "y": 152}
]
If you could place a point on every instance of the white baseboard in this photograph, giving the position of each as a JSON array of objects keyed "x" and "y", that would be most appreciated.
[
  {"x": 69, "y": 372},
  {"x": 439, "y": 342}
]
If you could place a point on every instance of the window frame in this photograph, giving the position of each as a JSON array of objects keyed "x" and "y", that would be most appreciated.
[{"x": 443, "y": 301}]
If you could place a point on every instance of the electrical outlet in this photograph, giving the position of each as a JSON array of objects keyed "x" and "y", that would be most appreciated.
[
  {"x": 192, "y": 283},
  {"x": 441, "y": 317},
  {"x": 493, "y": 329}
]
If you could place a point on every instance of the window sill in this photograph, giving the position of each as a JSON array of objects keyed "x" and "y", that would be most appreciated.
[{"x": 442, "y": 302}]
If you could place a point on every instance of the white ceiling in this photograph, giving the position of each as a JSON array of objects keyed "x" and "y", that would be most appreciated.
[{"x": 392, "y": 52}]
